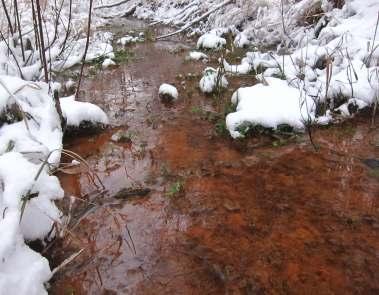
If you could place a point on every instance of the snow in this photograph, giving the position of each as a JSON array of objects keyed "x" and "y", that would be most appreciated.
[
  {"x": 269, "y": 106},
  {"x": 208, "y": 82},
  {"x": 40, "y": 135},
  {"x": 32, "y": 134},
  {"x": 108, "y": 63},
  {"x": 128, "y": 40},
  {"x": 211, "y": 41},
  {"x": 23, "y": 147},
  {"x": 168, "y": 90},
  {"x": 23, "y": 271},
  {"x": 100, "y": 46},
  {"x": 70, "y": 84},
  {"x": 197, "y": 55},
  {"x": 242, "y": 69},
  {"x": 77, "y": 112},
  {"x": 353, "y": 102},
  {"x": 241, "y": 40}
]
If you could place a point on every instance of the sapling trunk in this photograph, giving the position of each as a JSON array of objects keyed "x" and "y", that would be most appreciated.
[
  {"x": 19, "y": 29},
  {"x": 86, "y": 48},
  {"x": 42, "y": 43},
  {"x": 7, "y": 16}
]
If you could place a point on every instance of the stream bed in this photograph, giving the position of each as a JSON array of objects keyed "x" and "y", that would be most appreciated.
[{"x": 217, "y": 216}]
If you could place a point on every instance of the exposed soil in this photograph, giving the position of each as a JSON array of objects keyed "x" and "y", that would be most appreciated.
[{"x": 222, "y": 216}]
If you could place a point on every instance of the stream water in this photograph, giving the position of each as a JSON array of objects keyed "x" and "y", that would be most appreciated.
[{"x": 222, "y": 217}]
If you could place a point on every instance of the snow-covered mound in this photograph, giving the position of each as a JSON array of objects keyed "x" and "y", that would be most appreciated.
[
  {"x": 129, "y": 39},
  {"x": 269, "y": 106},
  {"x": 168, "y": 92},
  {"x": 197, "y": 55},
  {"x": 108, "y": 63},
  {"x": 211, "y": 41},
  {"x": 77, "y": 112},
  {"x": 244, "y": 68},
  {"x": 100, "y": 46},
  {"x": 212, "y": 79}
]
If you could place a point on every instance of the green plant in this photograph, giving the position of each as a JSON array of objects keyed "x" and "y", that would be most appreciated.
[
  {"x": 175, "y": 189},
  {"x": 196, "y": 110},
  {"x": 122, "y": 56},
  {"x": 220, "y": 128},
  {"x": 149, "y": 34},
  {"x": 95, "y": 65}
]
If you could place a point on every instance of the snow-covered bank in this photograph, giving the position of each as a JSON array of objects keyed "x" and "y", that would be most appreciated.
[
  {"x": 30, "y": 134},
  {"x": 338, "y": 69},
  {"x": 22, "y": 146}
]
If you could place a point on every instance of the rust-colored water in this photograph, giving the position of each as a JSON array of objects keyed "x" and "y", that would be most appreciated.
[{"x": 248, "y": 221}]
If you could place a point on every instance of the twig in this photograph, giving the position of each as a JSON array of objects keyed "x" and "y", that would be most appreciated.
[
  {"x": 42, "y": 45},
  {"x": 86, "y": 48},
  {"x": 7, "y": 16},
  {"x": 19, "y": 29},
  {"x": 66, "y": 261},
  {"x": 13, "y": 55},
  {"x": 68, "y": 29}
]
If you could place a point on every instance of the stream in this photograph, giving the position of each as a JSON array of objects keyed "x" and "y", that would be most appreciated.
[{"x": 219, "y": 216}]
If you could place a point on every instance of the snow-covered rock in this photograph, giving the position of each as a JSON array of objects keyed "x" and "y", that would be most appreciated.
[
  {"x": 128, "y": 40},
  {"x": 168, "y": 92},
  {"x": 77, "y": 112},
  {"x": 269, "y": 106},
  {"x": 108, "y": 63},
  {"x": 242, "y": 69},
  {"x": 70, "y": 85},
  {"x": 211, "y": 41},
  {"x": 197, "y": 55},
  {"x": 121, "y": 136}
]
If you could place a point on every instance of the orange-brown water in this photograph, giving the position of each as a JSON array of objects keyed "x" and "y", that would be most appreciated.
[{"x": 249, "y": 218}]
